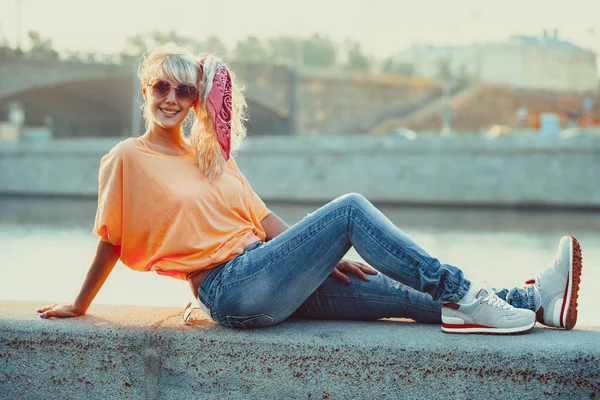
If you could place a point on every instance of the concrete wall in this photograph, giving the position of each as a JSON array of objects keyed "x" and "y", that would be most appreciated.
[
  {"x": 502, "y": 172},
  {"x": 522, "y": 62},
  {"x": 135, "y": 352},
  {"x": 545, "y": 66},
  {"x": 333, "y": 104}
]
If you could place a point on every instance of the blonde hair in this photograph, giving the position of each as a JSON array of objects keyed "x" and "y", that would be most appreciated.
[{"x": 181, "y": 66}]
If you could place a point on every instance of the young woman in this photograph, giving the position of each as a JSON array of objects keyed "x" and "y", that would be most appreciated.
[{"x": 181, "y": 207}]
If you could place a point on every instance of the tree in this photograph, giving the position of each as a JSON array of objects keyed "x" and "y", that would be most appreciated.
[
  {"x": 135, "y": 45},
  {"x": 285, "y": 50},
  {"x": 214, "y": 45},
  {"x": 319, "y": 51},
  {"x": 140, "y": 43},
  {"x": 173, "y": 37},
  {"x": 4, "y": 50},
  {"x": 392, "y": 67},
  {"x": 250, "y": 50},
  {"x": 357, "y": 61},
  {"x": 39, "y": 45},
  {"x": 463, "y": 75},
  {"x": 444, "y": 69}
]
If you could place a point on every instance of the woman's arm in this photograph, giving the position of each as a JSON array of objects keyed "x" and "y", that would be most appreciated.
[
  {"x": 273, "y": 226},
  {"x": 106, "y": 257}
]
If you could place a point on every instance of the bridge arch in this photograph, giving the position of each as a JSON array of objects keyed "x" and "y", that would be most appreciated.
[{"x": 98, "y": 100}]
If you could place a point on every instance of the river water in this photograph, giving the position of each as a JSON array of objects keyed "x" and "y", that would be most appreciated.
[{"x": 48, "y": 244}]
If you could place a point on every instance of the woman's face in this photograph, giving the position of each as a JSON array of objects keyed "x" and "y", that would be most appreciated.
[{"x": 169, "y": 102}]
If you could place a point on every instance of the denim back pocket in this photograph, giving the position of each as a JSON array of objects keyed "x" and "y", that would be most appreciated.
[
  {"x": 204, "y": 299},
  {"x": 209, "y": 285},
  {"x": 250, "y": 322}
]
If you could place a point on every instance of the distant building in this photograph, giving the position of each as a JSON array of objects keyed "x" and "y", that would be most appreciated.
[{"x": 525, "y": 62}]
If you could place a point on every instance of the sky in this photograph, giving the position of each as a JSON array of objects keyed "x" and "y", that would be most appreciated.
[{"x": 383, "y": 27}]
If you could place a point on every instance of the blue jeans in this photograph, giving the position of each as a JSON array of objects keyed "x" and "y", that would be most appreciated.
[{"x": 289, "y": 275}]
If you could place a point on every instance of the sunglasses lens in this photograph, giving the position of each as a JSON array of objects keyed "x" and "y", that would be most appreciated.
[
  {"x": 186, "y": 92},
  {"x": 161, "y": 88}
]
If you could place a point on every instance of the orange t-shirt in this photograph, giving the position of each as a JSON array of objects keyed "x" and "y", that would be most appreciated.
[{"x": 168, "y": 218}]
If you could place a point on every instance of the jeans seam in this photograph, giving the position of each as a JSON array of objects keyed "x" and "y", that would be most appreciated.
[
  {"x": 378, "y": 298},
  {"x": 399, "y": 244},
  {"x": 452, "y": 286},
  {"x": 285, "y": 253},
  {"x": 530, "y": 298},
  {"x": 298, "y": 235},
  {"x": 214, "y": 309}
]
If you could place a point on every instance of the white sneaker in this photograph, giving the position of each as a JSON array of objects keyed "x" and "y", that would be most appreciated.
[
  {"x": 487, "y": 314},
  {"x": 558, "y": 286}
]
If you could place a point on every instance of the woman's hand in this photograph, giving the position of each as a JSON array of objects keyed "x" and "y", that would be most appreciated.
[
  {"x": 352, "y": 267},
  {"x": 59, "y": 311},
  {"x": 106, "y": 257}
]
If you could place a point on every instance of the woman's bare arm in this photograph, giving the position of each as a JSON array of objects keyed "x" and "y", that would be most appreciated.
[
  {"x": 106, "y": 257},
  {"x": 273, "y": 226}
]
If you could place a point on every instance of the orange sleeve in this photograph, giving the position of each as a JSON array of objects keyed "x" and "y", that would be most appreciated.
[{"x": 109, "y": 216}]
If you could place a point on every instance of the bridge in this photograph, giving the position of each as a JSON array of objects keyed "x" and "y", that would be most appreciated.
[{"x": 99, "y": 95}]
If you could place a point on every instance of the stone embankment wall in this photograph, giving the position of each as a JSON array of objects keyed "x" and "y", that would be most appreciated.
[{"x": 527, "y": 171}]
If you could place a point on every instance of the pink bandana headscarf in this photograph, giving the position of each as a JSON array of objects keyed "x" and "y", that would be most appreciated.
[{"x": 218, "y": 104}]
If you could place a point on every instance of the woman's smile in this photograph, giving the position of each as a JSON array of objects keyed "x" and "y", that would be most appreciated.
[{"x": 169, "y": 112}]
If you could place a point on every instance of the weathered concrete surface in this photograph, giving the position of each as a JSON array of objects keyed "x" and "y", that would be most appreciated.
[
  {"x": 509, "y": 172},
  {"x": 131, "y": 352}
]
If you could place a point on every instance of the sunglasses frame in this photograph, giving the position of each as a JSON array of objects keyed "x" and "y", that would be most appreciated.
[
  {"x": 187, "y": 313},
  {"x": 193, "y": 94}
]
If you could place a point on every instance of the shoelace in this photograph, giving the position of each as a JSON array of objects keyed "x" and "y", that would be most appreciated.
[{"x": 496, "y": 301}]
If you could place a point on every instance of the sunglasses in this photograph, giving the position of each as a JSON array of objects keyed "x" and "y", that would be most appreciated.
[
  {"x": 187, "y": 313},
  {"x": 184, "y": 92}
]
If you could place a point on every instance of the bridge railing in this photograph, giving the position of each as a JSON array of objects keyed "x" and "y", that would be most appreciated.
[
  {"x": 68, "y": 56},
  {"x": 97, "y": 58}
]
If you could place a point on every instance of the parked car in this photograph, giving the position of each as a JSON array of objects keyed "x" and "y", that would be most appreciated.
[
  {"x": 403, "y": 133},
  {"x": 497, "y": 131}
]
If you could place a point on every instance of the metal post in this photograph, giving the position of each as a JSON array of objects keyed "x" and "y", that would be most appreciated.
[
  {"x": 19, "y": 21},
  {"x": 136, "y": 118},
  {"x": 373, "y": 23},
  {"x": 446, "y": 113},
  {"x": 294, "y": 102},
  {"x": 294, "y": 99}
]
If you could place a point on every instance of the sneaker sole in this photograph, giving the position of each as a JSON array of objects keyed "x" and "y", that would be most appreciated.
[
  {"x": 568, "y": 312},
  {"x": 466, "y": 328}
]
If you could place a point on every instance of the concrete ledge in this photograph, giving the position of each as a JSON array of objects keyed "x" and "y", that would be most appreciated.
[{"x": 134, "y": 352}]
